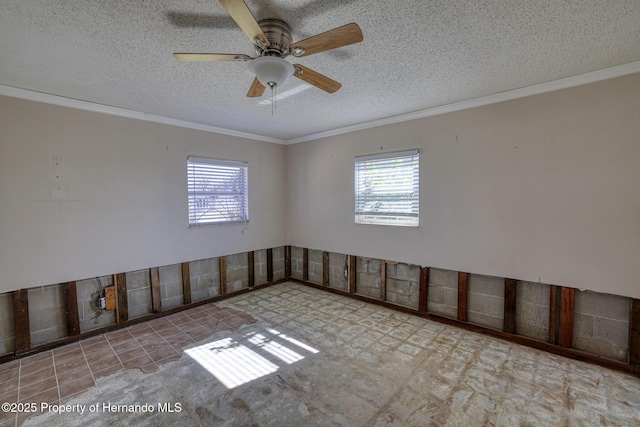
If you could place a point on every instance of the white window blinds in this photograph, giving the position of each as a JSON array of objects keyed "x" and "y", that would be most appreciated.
[
  {"x": 387, "y": 188},
  {"x": 217, "y": 191}
]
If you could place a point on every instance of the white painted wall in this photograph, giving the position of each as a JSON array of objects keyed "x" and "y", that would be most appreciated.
[
  {"x": 544, "y": 188},
  {"x": 124, "y": 199}
]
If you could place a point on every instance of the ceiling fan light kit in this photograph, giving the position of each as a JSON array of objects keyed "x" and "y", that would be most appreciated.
[
  {"x": 272, "y": 42},
  {"x": 271, "y": 70}
]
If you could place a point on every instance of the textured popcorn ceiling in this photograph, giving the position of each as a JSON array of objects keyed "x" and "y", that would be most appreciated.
[{"x": 415, "y": 55}]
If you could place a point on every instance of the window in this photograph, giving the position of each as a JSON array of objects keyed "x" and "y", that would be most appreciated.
[
  {"x": 217, "y": 191},
  {"x": 387, "y": 188}
]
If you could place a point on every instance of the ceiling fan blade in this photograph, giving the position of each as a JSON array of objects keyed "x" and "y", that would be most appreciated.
[
  {"x": 318, "y": 80},
  {"x": 256, "y": 90},
  {"x": 210, "y": 57},
  {"x": 240, "y": 13},
  {"x": 338, "y": 37}
]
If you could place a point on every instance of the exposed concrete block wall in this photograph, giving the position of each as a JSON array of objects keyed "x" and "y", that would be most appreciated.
[
  {"x": 90, "y": 314},
  {"x": 403, "y": 284},
  {"x": 532, "y": 310},
  {"x": 368, "y": 277},
  {"x": 443, "y": 292},
  {"x": 485, "y": 301},
  {"x": 205, "y": 278},
  {"x": 278, "y": 263},
  {"x": 171, "y": 294},
  {"x": 138, "y": 293},
  {"x": 260, "y": 267},
  {"x": 338, "y": 265},
  {"x": 601, "y": 324},
  {"x": 315, "y": 266},
  {"x": 237, "y": 272},
  {"x": 46, "y": 314},
  {"x": 7, "y": 325},
  {"x": 297, "y": 262}
]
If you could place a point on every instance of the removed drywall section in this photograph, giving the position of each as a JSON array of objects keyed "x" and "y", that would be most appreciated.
[
  {"x": 601, "y": 324},
  {"x": 260, "y": 268},
  {"x": 403, "y": 284},
  {"x": 297, "y": 262},
  {"x": 205, "y": 278},
  {"x": 138, "y": 293},
  {"x": 443, "y": 292},
  {"x": 171, "y": 292},
  {"x": 338, "y": 271},
  {"x": 90, "y": 314},
  {"x": 368, "y": 277},
  {"x": 532, "y": 310},
  {"x": 7, "y": 331},
  {"x": 237, "y": 272},
  {"x": 315, "y": 266},
  {"x": 486, "y": 301},
  {"x": 46, "y": 314},
  {"x": 278, "y": 263}
]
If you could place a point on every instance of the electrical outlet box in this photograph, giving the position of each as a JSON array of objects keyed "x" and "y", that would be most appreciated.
[
  {"x": 102, "y": 302},
  {"x": 110, "y": 297}
]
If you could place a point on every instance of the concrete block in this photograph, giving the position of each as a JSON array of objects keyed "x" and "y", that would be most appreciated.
[
  {"x": 451, "y": 297},
  {"x": 476, "y": 302},
  {"x": 237, "y": 274},
  {"x": 583, "y": 325},
  {"x": 399, "y": 286},
  {"x": 537, "y": 293},
  {"x": 46, "y": 314},
  {"x": 602, "y": 305},
  {"x": 170, "y": 290},
  {"x": 447, "y": 278},
  {"x": 613, "y": 332},
  {"x": 171, "y": 273},
  {"x": 408, "y": 272},
  {"x": 138, "y": 279},
  {"x": 203, "y": 266},
  {"x": 532, "y": 331},
  {"x": 600, "y": 348},
  {"x": 86, "y": 289},
  {"x": 7, "y": 326},
  {"x": 485, "y": 320},
  {"x": 532, "y": 310},
  {"x": 391, "y": 270},
  {"x": 47, "y": 318},
  {"x": 487, "y": 285},
  {"x": 45, "y": 297},
  {"x": 236, "y": 285},
  {"x": 436, "y": 294},
  {"x": 172, "y": 302},
  {"x": 407, "y": 301},
  {"x": 443, "y": 310},
  {"x": 7, "y": 345},
  {"x": 139, "y": 303},
  {"x": 104, "y": 318},
  {"x": 495, "y": 306}
]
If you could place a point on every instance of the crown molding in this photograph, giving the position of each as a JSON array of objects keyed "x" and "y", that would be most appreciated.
[
  {"x": 122, "y": 112},
  {"x": 581, "y": 79}
]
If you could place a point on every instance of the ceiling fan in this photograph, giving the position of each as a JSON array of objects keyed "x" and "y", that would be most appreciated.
[{"x": 272, "y": 40}]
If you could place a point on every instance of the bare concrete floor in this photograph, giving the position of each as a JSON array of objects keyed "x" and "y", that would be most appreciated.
[{"x": 314, "y": 358}]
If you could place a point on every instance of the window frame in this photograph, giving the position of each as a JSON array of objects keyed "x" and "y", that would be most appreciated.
[
  {"x": 389, "y": 217},
  {"x": 242, "y": 194}
]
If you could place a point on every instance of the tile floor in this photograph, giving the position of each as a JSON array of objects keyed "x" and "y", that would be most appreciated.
[
  {"x": 57, "y": 376},
  {"x": 313, "y": 358}
]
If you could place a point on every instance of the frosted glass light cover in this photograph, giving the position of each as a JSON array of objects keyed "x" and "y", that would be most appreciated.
[{"x": 271, "y": 70}]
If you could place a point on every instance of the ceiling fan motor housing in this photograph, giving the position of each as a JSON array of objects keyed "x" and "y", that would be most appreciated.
[{"x": 279, "y": 35}]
